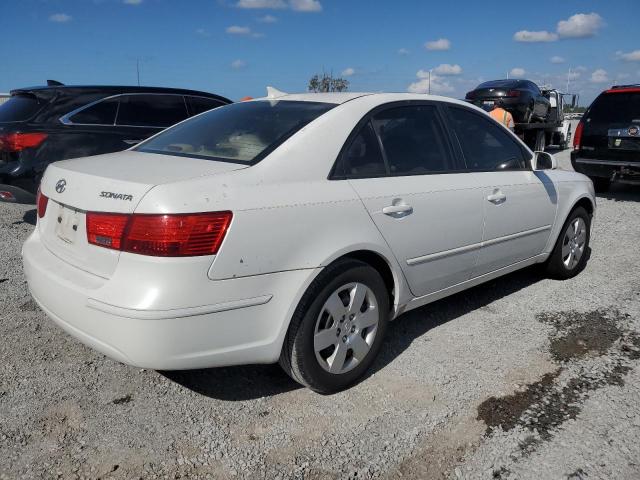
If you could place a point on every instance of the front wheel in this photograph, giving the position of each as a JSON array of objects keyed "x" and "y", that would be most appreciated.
[
  {"x": 338, "y": 327},
  {"x": 570, "y": 253}
]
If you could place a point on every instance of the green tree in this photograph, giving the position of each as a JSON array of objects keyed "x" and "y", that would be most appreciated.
[{"x": 327, "y": 83}]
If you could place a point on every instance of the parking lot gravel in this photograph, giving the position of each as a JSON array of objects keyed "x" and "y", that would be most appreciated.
[{"x": 519, "y": 378}]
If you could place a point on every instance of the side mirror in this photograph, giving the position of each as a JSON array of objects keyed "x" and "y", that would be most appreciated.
[{"x": 543, "y": 161}]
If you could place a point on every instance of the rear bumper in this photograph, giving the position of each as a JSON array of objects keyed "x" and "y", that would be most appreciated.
[
  {"x": 237, "y": 321},
  {"x": 621, "y": 171}
]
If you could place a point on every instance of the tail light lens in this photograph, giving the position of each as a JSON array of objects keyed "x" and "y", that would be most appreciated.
[
  {"x": 180, "y": 235},
  {"x": 16, "y": 142},
  {"x": 577, "y": 137},
  {"x": 513, "y": 93},
  {"x": 41, "y": 203}
]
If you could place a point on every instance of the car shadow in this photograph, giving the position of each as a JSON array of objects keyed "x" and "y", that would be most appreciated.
[
  {"x": 254, "y": 381},
  {"x": 30, "y": 217},
  {"x": 620, "y": 192}
]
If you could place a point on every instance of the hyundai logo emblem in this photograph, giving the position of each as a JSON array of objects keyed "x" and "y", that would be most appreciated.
[{"x": 61, "y": 185}]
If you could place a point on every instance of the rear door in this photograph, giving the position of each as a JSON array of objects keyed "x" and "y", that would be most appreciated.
[
  {"x": 401, "y": 165},
  {"x": 519, "y": 204}
]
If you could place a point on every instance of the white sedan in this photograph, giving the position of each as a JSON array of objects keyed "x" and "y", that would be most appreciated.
[{"x": 294, "y": 228}]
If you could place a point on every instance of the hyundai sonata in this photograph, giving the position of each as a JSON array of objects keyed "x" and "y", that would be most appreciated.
[{"x": 294, "y": 228}]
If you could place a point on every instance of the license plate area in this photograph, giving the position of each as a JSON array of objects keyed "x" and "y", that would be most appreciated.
[{"x": 67, "y": 224}]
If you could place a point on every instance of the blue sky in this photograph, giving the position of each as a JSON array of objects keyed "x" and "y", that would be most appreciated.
[{"x": 237, "y": 47}]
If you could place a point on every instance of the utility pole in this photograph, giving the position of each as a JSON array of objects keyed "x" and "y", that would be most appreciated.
[
  {"x": 568, "y": 78},
  {"x": 429, "y": 81}
]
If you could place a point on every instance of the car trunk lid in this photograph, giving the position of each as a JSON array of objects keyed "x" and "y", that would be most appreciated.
[{"x": 113, "y": 183}]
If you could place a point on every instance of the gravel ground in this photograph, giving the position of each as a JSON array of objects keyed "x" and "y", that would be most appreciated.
[{"x": 522, "y": 377}]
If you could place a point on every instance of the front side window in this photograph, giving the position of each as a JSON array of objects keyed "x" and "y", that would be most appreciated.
[
  {"x": 240, "y": 132},
  {"x": 413, "y": 140},
  {"x": 101, "y": 113},
  {"x": 147, "y": 110},
  {"x": 486, "y": 147}
]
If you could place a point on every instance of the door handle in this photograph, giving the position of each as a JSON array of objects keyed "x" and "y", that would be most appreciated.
[
  {"x": 132, "y": 142},
  {"x": 398, "y": 211},
  {"x": 497, "y": 197}
]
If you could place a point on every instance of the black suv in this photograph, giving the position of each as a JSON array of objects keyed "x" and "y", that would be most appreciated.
[
  {"x": 607, "y": 140},
  {"x": 40, "y": 125}
]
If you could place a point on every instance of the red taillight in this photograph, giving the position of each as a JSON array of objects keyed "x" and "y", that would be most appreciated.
[
  {"x": 577, "y": 137},
  {"x": 41, "y": 203},
  {"x": 106, "y": 229},
  {"x": 16, "y": 142},
  {"x": 178, "y": 235},
  {"x": 513, "y": 93}
]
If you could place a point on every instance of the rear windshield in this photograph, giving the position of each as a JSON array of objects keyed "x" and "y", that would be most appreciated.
[
  {"x": 240, "y": 133},
  {"x": 621, "y": 108},
  {"x": 498, "y": 84},
  {"x": 20, "y": 108}
]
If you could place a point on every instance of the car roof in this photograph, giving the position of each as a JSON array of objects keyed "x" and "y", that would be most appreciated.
[
  {"x": 339, "y": 98},
  {"x": 113, "y": 89}
]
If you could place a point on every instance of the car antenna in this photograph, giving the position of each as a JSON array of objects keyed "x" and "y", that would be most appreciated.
[{"x": 273, "y": 92}]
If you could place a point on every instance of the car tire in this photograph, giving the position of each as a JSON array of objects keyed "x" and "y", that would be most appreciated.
[
  {"x": 328, "y": 354},
  {"x": 571, "y": 251},
  {"x": 528, "y": 114},
  {"x": 600, "y": 184}
]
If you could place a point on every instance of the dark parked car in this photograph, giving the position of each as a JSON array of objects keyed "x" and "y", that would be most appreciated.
[
  {"x": 522, "y": 98},
  {"x": 607, "y": 140},
  {"x": 40, "y": 125}
]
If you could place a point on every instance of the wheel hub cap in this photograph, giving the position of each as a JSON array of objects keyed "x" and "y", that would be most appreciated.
[{"x": 573, "y": 243}]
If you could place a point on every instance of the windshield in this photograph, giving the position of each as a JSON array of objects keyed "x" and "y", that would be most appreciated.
[
  {"x": 241, "y": 133},
  {"x": 20, "y": 108},
  {"x": 623, "y": 108}
]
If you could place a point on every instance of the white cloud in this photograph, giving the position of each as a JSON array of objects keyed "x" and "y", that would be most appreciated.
[
  {"x": 295, "y": 5},
  {"x": 532, "y": 37},
  {"x": 236, "y": 64},
  {"x": 347, "y": 72},
  {"x": 517, "y": 72},
  {"x": 268, "y": 19},
  {"x": 599, "y": 76},
  {"x": 448, "y": 69},
  {"x": 580, "y": 25},
  {"x": 60, "y": 18},
  {"x": 438, "y": 84},
  {"x": 557, "y": 59},
  {"x": 305, "y": 5},
  {"x": 440, "y": 44},
  {"x": 261, "y": 4},
  {"x": 581, "y": 68},
  {"x": 403, "y": 51},
  {"x": 633, "y": 56},
  {"x": 237, "y": 30},
  {"x": 201, "y": 32},
  {"x": 132, "y": 2}
]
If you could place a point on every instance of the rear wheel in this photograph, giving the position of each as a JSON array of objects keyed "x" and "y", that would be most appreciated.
[
  {"x": 600, "y": 184},
  {"x": 570, "y": 253},
  {"x": 338, "y": 327},
  {"x": 541, "y": 141}
]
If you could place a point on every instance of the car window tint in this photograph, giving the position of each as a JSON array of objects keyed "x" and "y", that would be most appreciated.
[
  {"x": 615, "y": 109},
  {"x": 240, "y": 133},
  {"x": 412, "y": 139},
  {"x": 201, "y": 104},
  {"x": 20, "y": 107},
  {"x": 485, "y": 145},
  {"x": 102, "y": 113},
  {"x": 151, "y": 110},
  {"x": 363, "y": 157}
]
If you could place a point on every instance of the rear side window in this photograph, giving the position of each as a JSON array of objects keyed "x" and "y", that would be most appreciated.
[
  {"x": 486, "y": 147},
  {"x": 151, "y": 110},
  {"x": 20, "y": 108},
  {"x": 101, "y": 113},
  {"x": 615, "y": 108},
  {"x": 363, "y": 158},
  {"x": 239, "y": 133},
  {"x": 413, "y": 140},
  {"x": 202, "y": 104}
]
